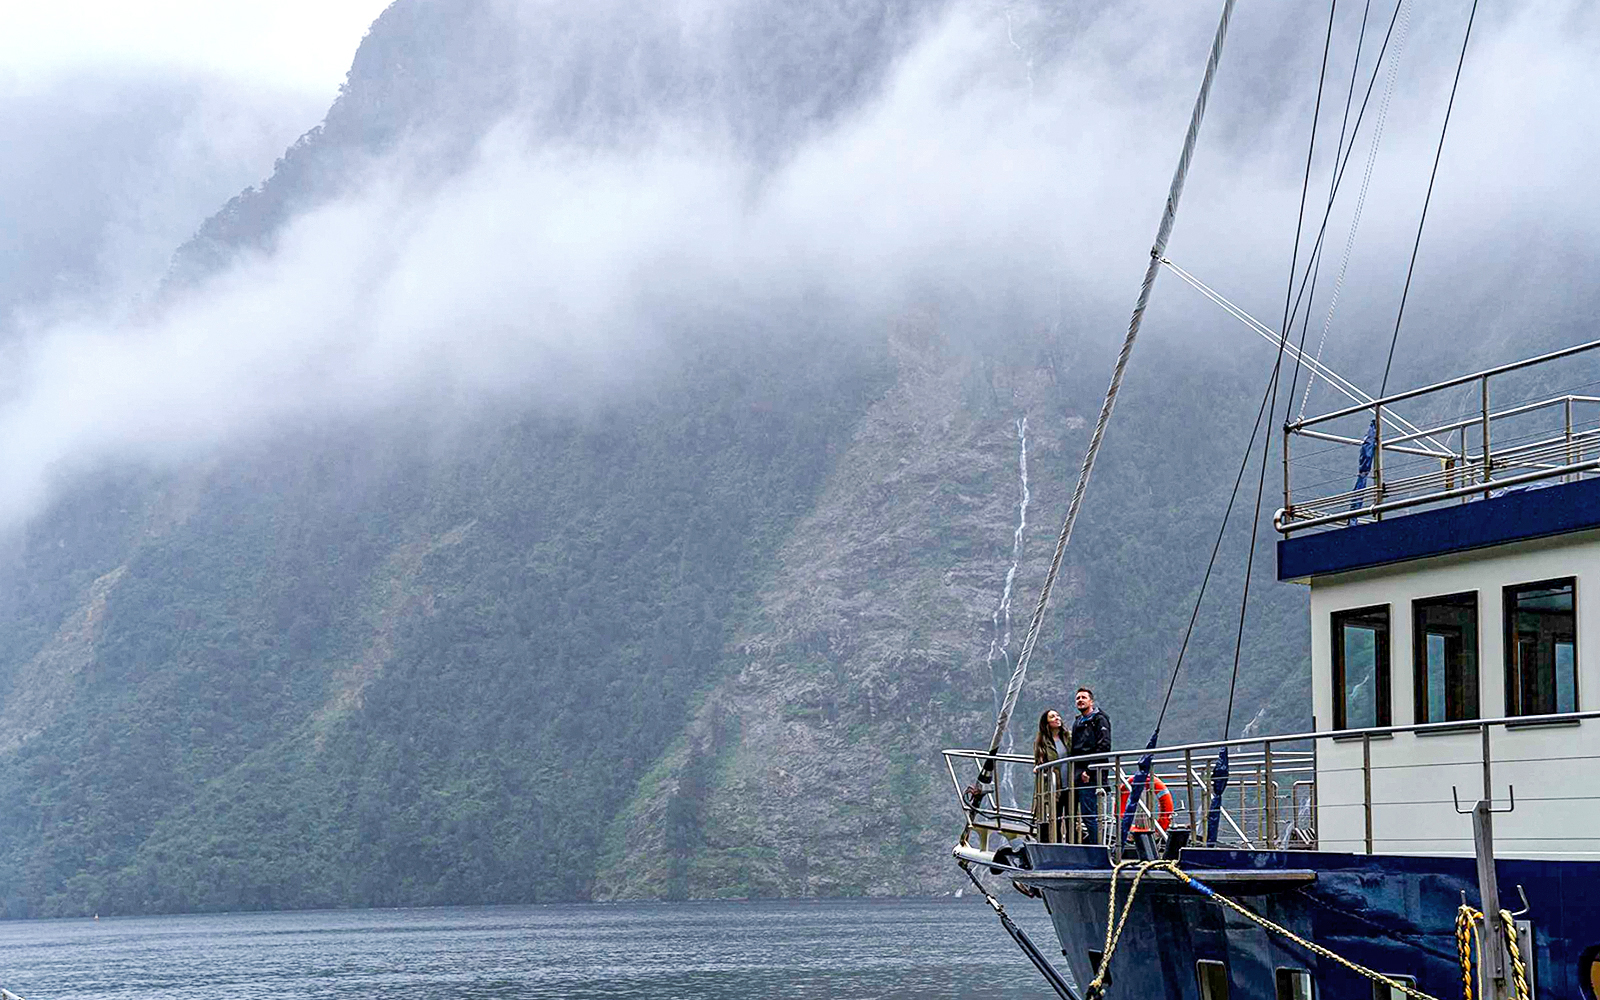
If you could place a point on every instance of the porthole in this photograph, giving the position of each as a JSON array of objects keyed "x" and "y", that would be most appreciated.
[{"x": 1589, "y": 972}]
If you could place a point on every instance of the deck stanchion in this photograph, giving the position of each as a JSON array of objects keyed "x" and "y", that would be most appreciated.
[
  {"x": 1366, "y": 784},
  {"x": 1272, "y": 796},
  {"x": 1188, "y": 783},
  {"x": 1488, "y": 463}
]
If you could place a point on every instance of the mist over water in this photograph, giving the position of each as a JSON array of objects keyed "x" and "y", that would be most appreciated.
[{"x": 912, "y": 949}]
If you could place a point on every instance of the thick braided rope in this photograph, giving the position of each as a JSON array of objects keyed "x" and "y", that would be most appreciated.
[
  {"x": 1520, "y": 973},
  {"x": 1311, "y": 946},
  {"x": 1157, "y": 251},
  {"x": 1115, "y": 922},
  {"x": 1470, "y": 937},
  {"x": 1466, "y": 933}
]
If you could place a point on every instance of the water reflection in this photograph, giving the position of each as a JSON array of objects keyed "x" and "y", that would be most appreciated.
[{"x": 918, "y": 949}]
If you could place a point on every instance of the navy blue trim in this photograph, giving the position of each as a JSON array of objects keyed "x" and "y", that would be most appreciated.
[{"x": 1516, "y": 516}]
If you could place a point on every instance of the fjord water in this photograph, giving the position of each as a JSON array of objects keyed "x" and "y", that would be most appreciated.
[{"x": 922, "y": 949}]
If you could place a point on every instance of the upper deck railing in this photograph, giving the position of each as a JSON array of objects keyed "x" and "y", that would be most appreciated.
[
  {"x": 1287, "y": 793},
  {"x": 1541, "y": 436}
]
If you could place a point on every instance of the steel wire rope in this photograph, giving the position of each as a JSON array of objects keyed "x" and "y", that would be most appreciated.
[
  {"x": 1366, "y": 181},
  {"x": 1277, "y": 366},
  {"x": 1428, "y": 198},
  {"x": 1249, "y": 448},
  {"x": 1344, "y": 164},
  {"x": 1157, "y": 249}
]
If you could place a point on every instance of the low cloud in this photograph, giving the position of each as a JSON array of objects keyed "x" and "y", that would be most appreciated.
[{"x": 1001, "y": 158}]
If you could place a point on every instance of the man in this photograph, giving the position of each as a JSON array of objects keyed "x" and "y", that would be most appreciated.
[{"x": 1091, "y": 734}]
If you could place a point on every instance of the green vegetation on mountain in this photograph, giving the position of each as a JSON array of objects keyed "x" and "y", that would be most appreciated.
[{"x": 703, "y": 635}]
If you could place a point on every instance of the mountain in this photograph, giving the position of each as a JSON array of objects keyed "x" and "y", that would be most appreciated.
[{"x": 697, "y": 621}]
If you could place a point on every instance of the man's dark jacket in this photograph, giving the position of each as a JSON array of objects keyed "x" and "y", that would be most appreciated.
[{"x": 1091, "y": 734}]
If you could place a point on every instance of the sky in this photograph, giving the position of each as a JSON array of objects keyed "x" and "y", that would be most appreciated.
[
  {"x": 285, "y": 45},
  {"x": 546, "y": 268}
]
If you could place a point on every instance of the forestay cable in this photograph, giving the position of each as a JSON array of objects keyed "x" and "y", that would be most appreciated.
[
  {"x": 1428, "y": 198},
  {"x": 1157, "y": 250}
]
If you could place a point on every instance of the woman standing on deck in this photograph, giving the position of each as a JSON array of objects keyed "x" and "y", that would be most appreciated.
[{"x": 1051, "y": 744}]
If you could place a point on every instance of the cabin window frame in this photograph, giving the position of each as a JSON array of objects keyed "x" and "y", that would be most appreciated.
[
  {"x": 1513, "y": 676},
  {"x": 1383, "y": 654},
  {"x": 1473, "y": 709}
]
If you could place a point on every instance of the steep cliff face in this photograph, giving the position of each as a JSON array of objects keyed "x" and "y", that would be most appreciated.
[
  {"x": 814, "y": 767},
  {"x": 703, "y": 639}
]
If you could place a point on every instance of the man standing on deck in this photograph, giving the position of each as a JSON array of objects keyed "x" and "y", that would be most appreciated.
[{"x": 1091, "y": 734}]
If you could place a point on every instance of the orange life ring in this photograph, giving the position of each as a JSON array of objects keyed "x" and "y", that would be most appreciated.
[{"x": 1164, "y": 804}]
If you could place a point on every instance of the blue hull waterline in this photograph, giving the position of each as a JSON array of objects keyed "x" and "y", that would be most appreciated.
[{"x": 1395, "y": 915}]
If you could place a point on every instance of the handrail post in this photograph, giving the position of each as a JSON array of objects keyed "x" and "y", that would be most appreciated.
[
  {"x": 1570, "y": 459},
  {"x": 1488, "y": 793},
  {"x": 1288, "y": 502},
  {"x": 1366, "y": 784},
  {"x": 1072, "y": 804},
  {"x": 1488, "y": 463},
  {"x": 1188, "y": 783},
  {"x": 1271, "y": 801},
  {"x": 1377, "y": 457},
  {"x": 1114, "y": 795}
]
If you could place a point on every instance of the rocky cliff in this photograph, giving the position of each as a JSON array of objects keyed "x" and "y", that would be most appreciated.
[{"x": 696, "y": 628}]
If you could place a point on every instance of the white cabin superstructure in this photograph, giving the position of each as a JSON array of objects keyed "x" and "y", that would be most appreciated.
[
  {"x": 1442, "y": 597},
  {"x": 1412, "y": 774}
]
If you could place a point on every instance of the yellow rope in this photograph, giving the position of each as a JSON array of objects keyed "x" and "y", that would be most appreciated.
[
  {"x": 1470, "y": 938},
  {"x": 1466, "y": 941},
  {"x": 1115, "y": 923}
]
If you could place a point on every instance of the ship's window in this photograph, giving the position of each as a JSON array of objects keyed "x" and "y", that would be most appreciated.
[
  {"x": 1541, "y": 648},
  {"x": 1213, "y": 977},
  {"x": 1293, "y": 984},
  {"x": 1382, "y": 992},
  {"x": 1361, "y": 668},
  {"x": 1445, "y": 657}
]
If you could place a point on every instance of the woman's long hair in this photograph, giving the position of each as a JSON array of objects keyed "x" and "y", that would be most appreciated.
[{"x": 1045, "y": 742}]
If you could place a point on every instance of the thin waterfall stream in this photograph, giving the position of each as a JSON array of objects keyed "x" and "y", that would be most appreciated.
[{"x": 1000, "y": 620}]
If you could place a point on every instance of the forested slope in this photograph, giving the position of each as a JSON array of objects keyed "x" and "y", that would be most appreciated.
[{"x": 697, "y": 631}]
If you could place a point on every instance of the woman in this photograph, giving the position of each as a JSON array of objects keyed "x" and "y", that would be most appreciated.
[{"x": 1050, "y": 745}]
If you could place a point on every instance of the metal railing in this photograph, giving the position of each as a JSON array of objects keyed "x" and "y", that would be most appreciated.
[
  {"x": 1556, "y": 437},
  {"x": 1272, "y": 800}
]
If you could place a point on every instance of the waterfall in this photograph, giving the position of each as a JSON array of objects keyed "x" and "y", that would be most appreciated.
[{"x": 1000, "y": 620}]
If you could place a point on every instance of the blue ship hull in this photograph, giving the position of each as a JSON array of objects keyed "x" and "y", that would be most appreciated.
[{"x": 1393, "y": 914}]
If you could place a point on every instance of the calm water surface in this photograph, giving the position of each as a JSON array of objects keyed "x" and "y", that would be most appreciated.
[{"x": 922, "y": 949}]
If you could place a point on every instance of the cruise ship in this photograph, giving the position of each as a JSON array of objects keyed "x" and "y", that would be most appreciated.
[{"x": 1451, "y": 767}]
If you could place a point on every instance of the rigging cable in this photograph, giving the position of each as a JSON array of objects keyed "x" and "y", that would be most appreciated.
[
  {"x": 1344, "y": 161},
  {"x": 1361, "y": 199},
  {"x": 1163, "y": 233},
  {"x": 1460, "y": 61},
  {"x": 1288, "y": 297}
]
